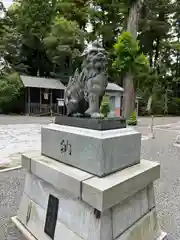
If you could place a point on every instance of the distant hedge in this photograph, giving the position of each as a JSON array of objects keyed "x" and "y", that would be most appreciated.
[
  {"x": 10, "y": 91},
  {"x": 158, "y": 107}
]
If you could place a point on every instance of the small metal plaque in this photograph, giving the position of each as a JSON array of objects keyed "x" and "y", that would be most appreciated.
[{"x": 51, "y": 216}]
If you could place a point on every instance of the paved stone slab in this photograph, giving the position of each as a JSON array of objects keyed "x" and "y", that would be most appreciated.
[
  {"x": 103, "y": 193},
  {"x": 19, "y": 138},
  {"x": 58, "y": 174},
  {"x": 97, "y": 152}
]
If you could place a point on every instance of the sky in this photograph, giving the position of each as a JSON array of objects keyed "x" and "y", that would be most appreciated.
[{"x": 7, "y": 3}]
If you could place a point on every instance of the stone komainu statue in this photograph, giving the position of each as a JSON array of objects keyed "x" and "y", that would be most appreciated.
[{"x": 85, "y": 90}]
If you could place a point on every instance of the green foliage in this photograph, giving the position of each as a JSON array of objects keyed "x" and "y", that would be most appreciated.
[
  {"x": 74, "y": 10},
  {"x": 10, "y": 86},
  {"x": 67, "y": 33},
  {"x": 35, "y": 16},
  {"x": 128, "y": 56},
  {"x": 39, "y": 37},
  {"x": 64, "y": 45},
  {"x": 105, "y": 106},
  {"x": 174, "y": 106},
  {"x": 132, "y": 120},
  {"x": 158, "y": 107}
]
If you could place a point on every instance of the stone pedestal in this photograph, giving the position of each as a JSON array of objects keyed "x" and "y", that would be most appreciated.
[
  {"x": 65, "y": 202},
  {"x": 98, "y": 152}
]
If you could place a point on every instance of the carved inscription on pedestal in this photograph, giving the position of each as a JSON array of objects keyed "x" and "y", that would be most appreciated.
[{"x": 66, "y": 147}]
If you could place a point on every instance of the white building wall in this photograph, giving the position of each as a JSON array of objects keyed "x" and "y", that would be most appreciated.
[{"x": 115, "y": 102}]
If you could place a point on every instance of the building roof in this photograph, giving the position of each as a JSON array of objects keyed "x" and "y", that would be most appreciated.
[
  {"x": 38, "y": 82},
  {"x": 114, "y": 87},
  {"x": 50, "y": 83}
]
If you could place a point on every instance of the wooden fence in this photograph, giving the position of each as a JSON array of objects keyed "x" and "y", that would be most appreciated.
[{"x": 41, "y": 109}]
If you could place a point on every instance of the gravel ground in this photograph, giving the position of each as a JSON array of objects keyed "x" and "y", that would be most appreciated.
[
  {"x": 167, "y": 189},
  {"x": 18, "y": 138},
  {"x": 11, "y": 187},
  {"x": 145, "y": 121},
  {"x": 17, "y": 134},
  {"x": 9, "y": 120}
]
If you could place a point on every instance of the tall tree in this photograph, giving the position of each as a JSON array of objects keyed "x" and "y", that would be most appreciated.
[
  {"x": 29, "y": 22},
  {"x": 106, "y": 21},
  {"x": 175, "y": 44},
  {"x": 154, "y": 36},
  {"x": 64, "y": 46},
  {"x": 74, "y": 10},
  {"x": 133, "y": 18},
  {"x": 35, "y": 16},
  {"x": 39, "y": 40}
]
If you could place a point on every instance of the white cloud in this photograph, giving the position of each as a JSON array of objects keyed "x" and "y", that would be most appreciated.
[{"x": 7, "y": 3}]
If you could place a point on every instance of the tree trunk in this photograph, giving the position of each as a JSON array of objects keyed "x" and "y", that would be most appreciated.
[
  {"x": 133, "y": 18},
  {"x": 149, "y": 105},
  {"x": 166, "y": 102},
  {"x": 129, "y": 96},
  {"x": 152, "y": 127},
  {"x": 156, "y": 57},
  {"x": 129, "y": 90}
]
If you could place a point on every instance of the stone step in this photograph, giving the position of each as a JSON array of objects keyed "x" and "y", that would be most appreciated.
[{"x": 100, "y": 193}]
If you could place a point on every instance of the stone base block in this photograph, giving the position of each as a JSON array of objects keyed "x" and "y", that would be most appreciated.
[
  {"x": 100, "y": 193},
  {"x": 133, "y": 218},
  {"x": 145, "y": 229},
  {"x": 29, "y": 236},
  {"x": 97, "y": 152},
  {"x": 35, "y": 222}
]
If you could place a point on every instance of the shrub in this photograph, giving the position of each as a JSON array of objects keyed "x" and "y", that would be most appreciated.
[
  {"x": 174, "y": 106},
  {"x": 128, "y": 55},
  {"x": 132, "y": 120},
  {"x": 105, "y": 106},
  {"x": 10, "y": 86}
]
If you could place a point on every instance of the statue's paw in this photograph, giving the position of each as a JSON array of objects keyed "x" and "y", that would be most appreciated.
[
  {"x": 97, "y": 115},
  {"x": 88, "y": 112}
]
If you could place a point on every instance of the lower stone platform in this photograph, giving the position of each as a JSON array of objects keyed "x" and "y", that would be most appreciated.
[
  {"x": 121, "y": 207},
  {"x": 133, "y": 219},
  {"x": 29, "y": 236}
]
